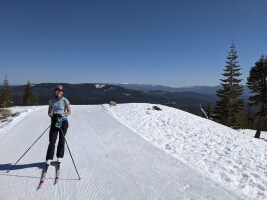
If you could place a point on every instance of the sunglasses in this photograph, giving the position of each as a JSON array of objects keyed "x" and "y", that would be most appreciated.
[{"x": 58, "y": 90}]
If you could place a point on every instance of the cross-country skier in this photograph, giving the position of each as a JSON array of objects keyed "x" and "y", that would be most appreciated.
[{"x": 59, "y": 110}]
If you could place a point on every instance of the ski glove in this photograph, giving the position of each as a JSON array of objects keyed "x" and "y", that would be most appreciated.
[{"x": 57, "y": 120}]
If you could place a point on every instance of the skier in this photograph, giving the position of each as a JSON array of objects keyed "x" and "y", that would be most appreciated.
[{"x": 59, "y": 110}]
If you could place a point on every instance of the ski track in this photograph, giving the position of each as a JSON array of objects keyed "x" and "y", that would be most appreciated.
[{"x": 113, "y": 161}]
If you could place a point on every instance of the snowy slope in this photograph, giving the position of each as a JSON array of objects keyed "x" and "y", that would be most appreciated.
[
  {"x": 229, "y": 157},
  {"x": 113, "y": 161}
]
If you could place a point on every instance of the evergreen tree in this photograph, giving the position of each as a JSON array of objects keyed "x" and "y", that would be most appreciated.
[
  {"x": 5, "y": 95},
  {"x": 257, "y": 83},
  {"x": 229, "y": 108},
  {"x": 29, "y": 98}
]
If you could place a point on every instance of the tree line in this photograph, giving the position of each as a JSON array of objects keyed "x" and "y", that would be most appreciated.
[
  {"x": 29, "y": 98},
  {"x": 230, "y": 109}
]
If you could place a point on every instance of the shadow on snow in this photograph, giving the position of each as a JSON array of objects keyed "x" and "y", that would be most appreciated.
[{"x": 5, "y": 167}]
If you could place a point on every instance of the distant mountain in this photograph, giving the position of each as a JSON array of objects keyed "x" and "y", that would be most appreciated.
[
  {"x": 91, "y": 93},
  {"x": 200, "y": 89},
  {"x": 210, "y": 90}
]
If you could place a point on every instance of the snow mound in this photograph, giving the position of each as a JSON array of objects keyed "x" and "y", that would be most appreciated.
[
  {"x": 227, "y": 156},
  {"x": 99, "y": 86}
]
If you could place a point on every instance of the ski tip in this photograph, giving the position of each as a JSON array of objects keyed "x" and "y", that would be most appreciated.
[
  {"x": 56, "y": 181},
  {"x": 40, "y": 185}
]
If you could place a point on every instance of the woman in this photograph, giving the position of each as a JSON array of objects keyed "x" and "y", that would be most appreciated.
[{"x": 59, "y": 110}]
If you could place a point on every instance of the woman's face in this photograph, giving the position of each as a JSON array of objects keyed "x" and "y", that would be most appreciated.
[{"x": 59, "y": 93}]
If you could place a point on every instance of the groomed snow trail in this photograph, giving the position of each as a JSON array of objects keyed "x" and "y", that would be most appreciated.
[{"x": 113, "y": 161}]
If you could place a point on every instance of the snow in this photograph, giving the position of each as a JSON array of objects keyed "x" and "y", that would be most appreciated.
[
  {"x": 130, "y": 152},
  {"x": 99, "y": 86},
  {"x": 230, "y": 158},
  {"x": 252, "y": 133},
  {"x": 23, "y": 111}
]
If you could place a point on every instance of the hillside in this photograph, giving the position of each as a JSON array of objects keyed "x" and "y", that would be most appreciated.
[
  {"x": 212, "y": 156},
  {"x": 113, "y": 161},
  {"x": 227, "y": 156}
]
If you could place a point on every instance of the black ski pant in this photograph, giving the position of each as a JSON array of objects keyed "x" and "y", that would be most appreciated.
[{"x": 54, "y": 131}]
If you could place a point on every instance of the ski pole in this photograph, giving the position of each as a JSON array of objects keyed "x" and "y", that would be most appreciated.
[
  {"x": 70, "y": 153},
  {"x": 28, "y": 149}
]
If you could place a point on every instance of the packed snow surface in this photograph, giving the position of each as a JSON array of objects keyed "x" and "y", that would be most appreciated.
[
  {"x": 227, "y": 156},
  {"x": 21, "y": 112},
  {"x": 113, "y": 161}
]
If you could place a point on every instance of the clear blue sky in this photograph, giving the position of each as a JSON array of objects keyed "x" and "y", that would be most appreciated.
[{"x": 174, "y": 43}]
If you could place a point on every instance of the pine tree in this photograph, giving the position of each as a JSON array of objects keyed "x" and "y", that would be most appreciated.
[
  {"x": 29, "y": 99},
  {"x": 229, "y": 108},
  {"x": 5, "y": 95},
  {"x": 257, "y": 83}
]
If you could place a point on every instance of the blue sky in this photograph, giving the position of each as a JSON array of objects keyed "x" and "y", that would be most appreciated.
[{"x": 174, "y": 43}]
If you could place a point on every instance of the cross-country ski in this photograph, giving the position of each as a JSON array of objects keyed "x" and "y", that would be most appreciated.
[
  {"x": 43, "y": 176},
  {"x": 57, "y": 173}
]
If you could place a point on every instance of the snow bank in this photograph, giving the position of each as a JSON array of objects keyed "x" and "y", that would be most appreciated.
[
  {"x": 99, "y": 86},
  {"x": 253, "y": 132},
  {"x": 10, "y": 122},
  {"x": 233, "y": 159}
]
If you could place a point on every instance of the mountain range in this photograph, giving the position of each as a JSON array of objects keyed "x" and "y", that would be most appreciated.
[
  {"x": 185, "y": 98},
  {"x": 210, "y": 90}
]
